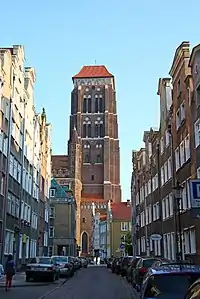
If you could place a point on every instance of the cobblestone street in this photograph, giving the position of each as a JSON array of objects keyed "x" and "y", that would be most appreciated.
[{"x": 94, "y": 282}]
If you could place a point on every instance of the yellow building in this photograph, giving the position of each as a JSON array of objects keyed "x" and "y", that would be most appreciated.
[{"x": 118, "y": 227}]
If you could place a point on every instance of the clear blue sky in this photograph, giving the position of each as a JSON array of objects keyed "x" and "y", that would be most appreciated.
[{"x": 136, "y": 40}]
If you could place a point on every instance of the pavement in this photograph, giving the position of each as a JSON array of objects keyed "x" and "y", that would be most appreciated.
[
  {"x": 95, "y": 282},
  {"x": 19, "y": 280}
]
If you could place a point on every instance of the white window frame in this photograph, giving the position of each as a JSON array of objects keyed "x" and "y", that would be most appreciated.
[{"x": 124, "y": 226}]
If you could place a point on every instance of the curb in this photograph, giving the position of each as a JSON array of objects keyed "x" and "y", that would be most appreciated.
[{"x": 26, "y": 285}]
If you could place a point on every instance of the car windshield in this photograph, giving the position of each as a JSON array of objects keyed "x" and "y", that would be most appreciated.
[
  {"x": 171, "y": 284},
  {"x": 44, "y": 260},
  {"x": 148, "y": 263},
  {"x": 60, "y": 259}
]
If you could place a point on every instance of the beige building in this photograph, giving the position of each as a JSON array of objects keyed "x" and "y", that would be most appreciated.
[{"x": 20, "y": 139}]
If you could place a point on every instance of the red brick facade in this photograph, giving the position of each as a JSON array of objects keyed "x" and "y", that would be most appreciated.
[{"x": 92, "y": 166}]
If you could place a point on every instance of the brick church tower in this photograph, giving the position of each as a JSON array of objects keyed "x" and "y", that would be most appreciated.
[
  {"x": 92, "y": 166},
  {"x": 94, "y": 117}
]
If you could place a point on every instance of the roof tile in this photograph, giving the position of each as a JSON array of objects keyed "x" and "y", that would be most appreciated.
[
  {"x": 93, "y": 71},
  {"x": 121, "y": 211}
]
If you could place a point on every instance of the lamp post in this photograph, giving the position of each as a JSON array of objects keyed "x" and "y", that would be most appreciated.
[{"x": 178, "y": 198}]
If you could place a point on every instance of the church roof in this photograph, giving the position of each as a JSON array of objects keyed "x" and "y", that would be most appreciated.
[{"x": 93, "y": 71}]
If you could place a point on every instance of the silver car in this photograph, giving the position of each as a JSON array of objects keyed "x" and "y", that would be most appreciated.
[{"x": 64, "y": 265}]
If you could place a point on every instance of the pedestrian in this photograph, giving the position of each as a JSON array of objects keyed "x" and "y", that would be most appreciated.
[{"x": 9, "y": 271}]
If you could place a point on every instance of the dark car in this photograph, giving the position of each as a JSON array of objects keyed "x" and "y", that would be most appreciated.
[
  {"x": 84, "y": 262},
  {"x": 125, "y": 263},
  {"x": 169, "y": 281},
  {"x": 194, "y": 291},
  {"x": 64, "y": 265},
  {"x": 42, "y": 267},
  {"x": 132, "y": 266},
  {"x": 116, "y": 265},
  {"x": 109, "y": 263},
  {"x": 141, "y": 268}
]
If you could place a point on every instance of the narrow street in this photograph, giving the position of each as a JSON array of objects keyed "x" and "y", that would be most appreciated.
[{"x": 94, "y": 283}]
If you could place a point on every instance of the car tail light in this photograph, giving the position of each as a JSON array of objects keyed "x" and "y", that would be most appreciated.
[{"x": 143, "y": 270}]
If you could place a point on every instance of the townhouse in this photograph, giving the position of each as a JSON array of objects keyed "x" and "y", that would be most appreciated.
[
  {"x": 20, "y": 158},
  {"x": 165, "y": 225}
]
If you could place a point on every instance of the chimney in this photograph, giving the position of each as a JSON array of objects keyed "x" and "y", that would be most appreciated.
[{"x": 128, "y": 202}]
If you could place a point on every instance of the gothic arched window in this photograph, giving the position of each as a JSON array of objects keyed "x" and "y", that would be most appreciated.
[
  {"x": 87, "y": 159},
  {"x": 84, "y": 105},
  {"x": 96, "y": 105},
  {"x": 98, "y": 159},
  {"x": 89, "y": 109},
  {"x": 84, "y": 130},
  {"x": 101, "y": 130},
  {"x": 89, "y": 131},
  {"x": 84, "y": 242},
  {"x": 100, "y": 105}
]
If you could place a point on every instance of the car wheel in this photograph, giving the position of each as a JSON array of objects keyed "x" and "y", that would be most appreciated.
[{"x": 28, "y": 278}]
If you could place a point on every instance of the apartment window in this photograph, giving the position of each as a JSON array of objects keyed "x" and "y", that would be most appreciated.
[
  {"x": 22, "y": 209},
  {"x": 52, "y": 192},
  {"x": 124, "y": 226},
  {"x": 157, "y": 247},
  {"x": 9, "y": 200},
  {"x": 52, "y": 212},
  {"x": 19, "y": 170},
  {"x": 27, "y": 247},
  {"x": 142, "y": 219},
  {"x": 17, "y": 203},
  {"x": 167, "y": 138},
  {"x": 182, "y": 153},
  {"x": 198, "y": 173},
  {"x": 171, "y": 205},
  {"x": 177, "y": 158},
  {"x": 13, "y": 206},
  {"x": 20, "y": 246},
  {"x": 182, "y": 108},
  {"x": 165, "y": 172},
  {"x": 162, "y": 175},
  {"x": 9, "y": 239},
  {"x": 187, "y": 148},
  {"x": 5, "y": 146},
  {"x": 51, "y": 231},
  {"x": 197, "y": 132},
  {"x": 178, "y": 88},
  {"x": 150, "y": 213},
  {"x": 2, "y": 184},
  {"x": 163, "y": 209},
  {"x": 11, "y": 165},
  {"x": 15, "y": 170},
  {"x": 190, "y": 240},
  {"x": 45, "y": 239},
  {"x": 178, "y": 119},
  {"x": 161, "y": 145},
  {"x": 169, "y": 166}
]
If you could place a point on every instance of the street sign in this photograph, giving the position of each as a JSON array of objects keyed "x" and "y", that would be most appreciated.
[
  {"x": 155, "y": 237},
  {"x": 122, "y": 246},
  {"x": 195, "y": 193}
]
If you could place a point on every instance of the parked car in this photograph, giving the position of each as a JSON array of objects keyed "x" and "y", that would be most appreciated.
[
  {"x": 132, "y": 266},
  {"x": 77, "y": 263},
  {"x": 84, "y": 262},
  {"x": 194, "y": 290},
  {"x": 64, "y": 265},
  {"x": 109, "y": 262},
  {"x": 1, "y": 270},
  {"x": 141, "y": 268},
  {"x": 169, "y": 282},
  {"x": 125, "y": 263},
  {"x": 161, "y": 262},
  {"x": 116, "y": 264},
  {"x": 42, "y": 267}
]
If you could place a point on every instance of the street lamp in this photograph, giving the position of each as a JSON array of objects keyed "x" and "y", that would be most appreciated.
[{"x": 177, "y": 190}]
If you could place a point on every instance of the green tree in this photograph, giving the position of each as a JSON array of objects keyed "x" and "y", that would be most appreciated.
[{"x": 128, "y": 244}]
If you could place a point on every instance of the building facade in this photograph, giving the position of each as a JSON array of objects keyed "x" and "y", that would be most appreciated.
[
  {"x": 20, "y": 158},
  {"x": 165, "y": 224},
  {"x": 62, "y": 229},
  {"x": 93, "y": 163},
  {"x": 118, "y": 225}
]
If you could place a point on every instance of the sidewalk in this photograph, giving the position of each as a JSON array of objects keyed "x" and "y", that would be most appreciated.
[{"x": 19, "y": 280}]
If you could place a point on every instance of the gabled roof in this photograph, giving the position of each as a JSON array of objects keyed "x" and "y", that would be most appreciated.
[
  {"x": 121, "y": 211},
  {"x": 93, "y": 71},
  {"x": 60, "y": 191}
]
